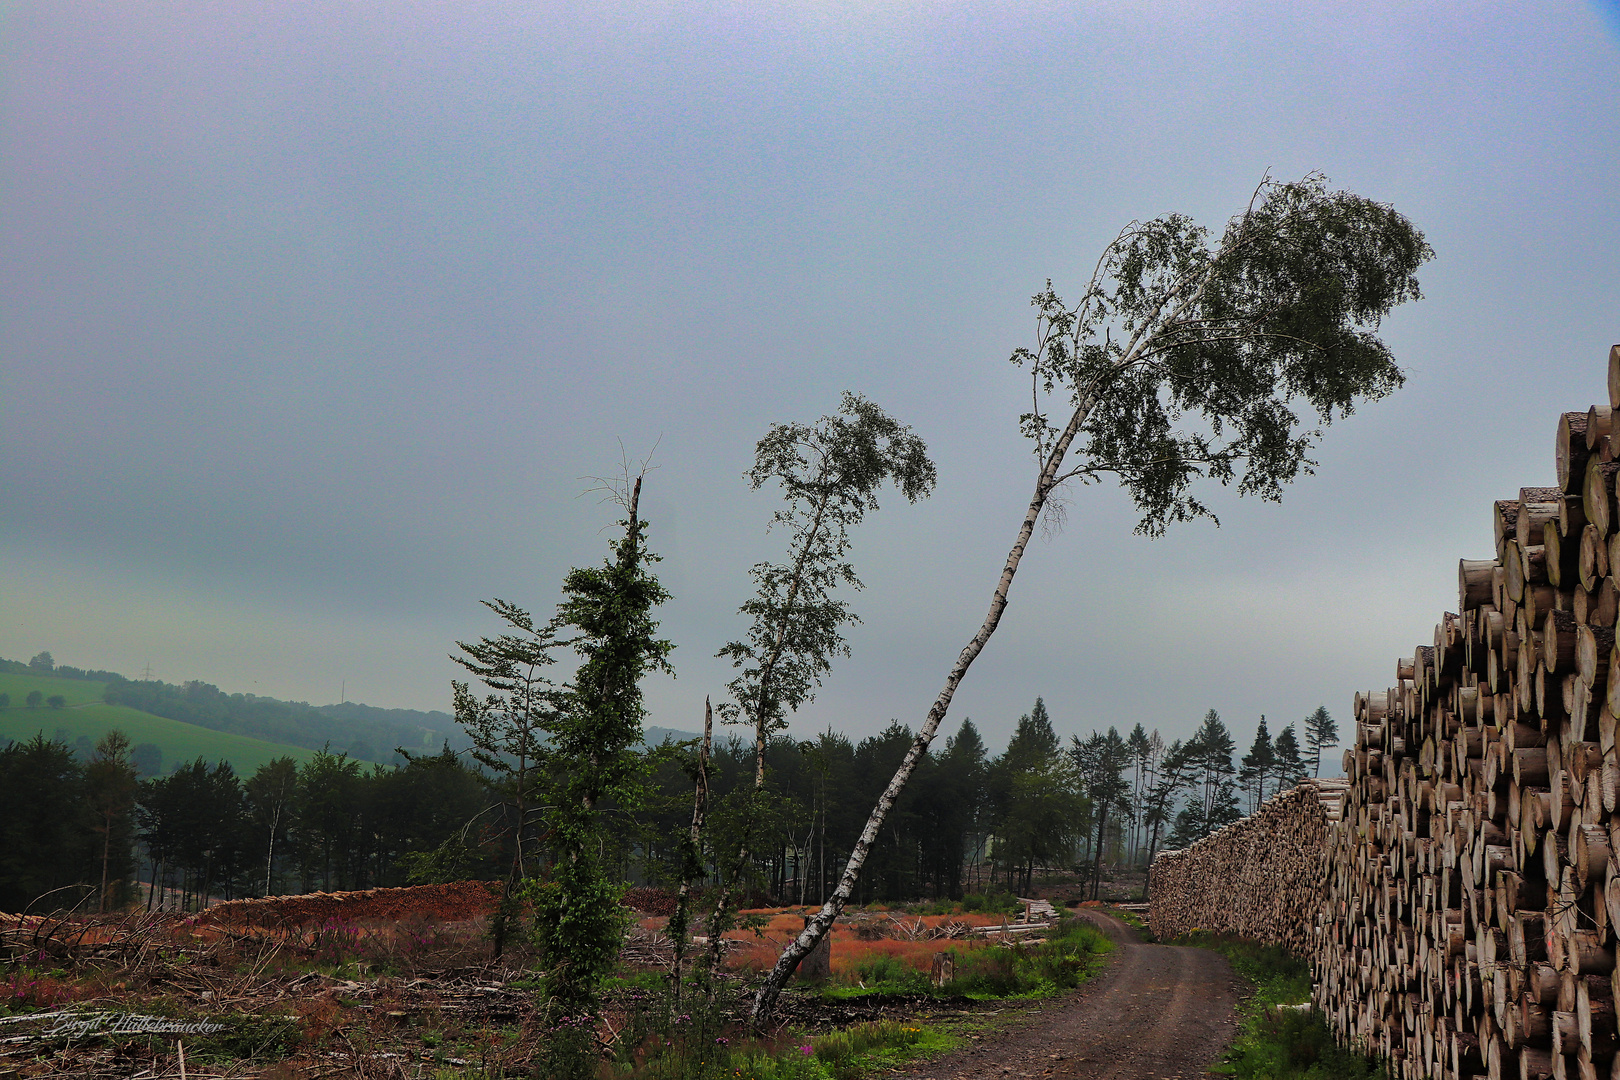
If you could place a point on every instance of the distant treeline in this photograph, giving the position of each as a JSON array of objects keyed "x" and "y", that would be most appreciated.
[
  {"x": 43, "y": 665},
  {"x": 74, "y": 832},
  {"x": 970, "y": 820}
]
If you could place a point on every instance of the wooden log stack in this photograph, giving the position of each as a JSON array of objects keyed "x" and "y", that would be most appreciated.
[
  {"x": 1472, "y": 889},
  {"x": 1258, "y": 878}
]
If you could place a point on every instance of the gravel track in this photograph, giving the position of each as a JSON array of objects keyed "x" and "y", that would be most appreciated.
[{"x": 1159, "y": 1012}]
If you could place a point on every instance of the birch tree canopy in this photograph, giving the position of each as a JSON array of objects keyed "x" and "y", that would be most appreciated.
[
  {"x": 1238, "y": 336},
  {"x": 1188, "y": 359}
]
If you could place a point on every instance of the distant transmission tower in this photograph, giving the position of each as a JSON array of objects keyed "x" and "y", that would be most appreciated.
[{"x": 147, "y": 674}]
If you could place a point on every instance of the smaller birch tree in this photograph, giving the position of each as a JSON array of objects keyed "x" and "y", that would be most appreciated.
[{"x": 830, "y": 473}]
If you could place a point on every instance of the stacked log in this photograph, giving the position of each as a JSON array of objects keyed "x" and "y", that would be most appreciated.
[
  {"x": 1472, "y": 890},
  {"x": 1258, "y": 878}
]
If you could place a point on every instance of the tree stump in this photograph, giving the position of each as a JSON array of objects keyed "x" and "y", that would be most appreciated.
[{"x": 817, "y": 964}]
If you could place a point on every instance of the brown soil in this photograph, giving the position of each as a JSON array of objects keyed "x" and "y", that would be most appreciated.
[{"x": 1159, "y": 1012}]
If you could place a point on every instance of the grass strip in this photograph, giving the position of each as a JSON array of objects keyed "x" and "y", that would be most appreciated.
[{"x": 1274, "y": 1041}]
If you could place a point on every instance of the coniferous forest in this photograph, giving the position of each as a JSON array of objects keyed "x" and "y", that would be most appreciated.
[{"x": 972, "y": 820}]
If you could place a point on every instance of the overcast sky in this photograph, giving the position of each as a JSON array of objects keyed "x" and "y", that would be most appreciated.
[{"x": 315, "y": 315}]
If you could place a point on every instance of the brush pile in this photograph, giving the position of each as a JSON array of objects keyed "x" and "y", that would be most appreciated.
[{"x": 443, "y": 903}]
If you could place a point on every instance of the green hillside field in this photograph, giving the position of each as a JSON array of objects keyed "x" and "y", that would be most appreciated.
[
  {"x": 86, "y": 715},
  {"x": 77, "y": 691}
]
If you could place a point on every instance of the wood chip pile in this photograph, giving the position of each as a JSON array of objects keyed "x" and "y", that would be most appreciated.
[
  {"x": 1258, "y": 878},
  {"x": 1469, "y": 923}
]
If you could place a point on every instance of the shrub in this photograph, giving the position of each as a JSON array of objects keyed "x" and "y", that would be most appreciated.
[
  {"x": 694, "y": 1040},
  {"x": 23, "y": 989},
  {"x": 1061, "y": 962},
  {"x": 888, "y": 970},
  {"x": 936, "y": 907},
  {"x": 991, "y": 972},
  {"x": 333, "y": 941}
]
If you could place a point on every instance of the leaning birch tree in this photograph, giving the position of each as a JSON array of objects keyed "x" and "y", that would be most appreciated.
[{"x": 1188, "y": 357}]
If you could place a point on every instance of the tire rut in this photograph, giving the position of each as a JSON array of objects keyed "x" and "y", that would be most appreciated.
[{"x": 1158, "y": 1012}]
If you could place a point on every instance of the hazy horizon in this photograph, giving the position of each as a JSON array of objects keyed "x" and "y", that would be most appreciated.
[{"x": 316, "y": 317}]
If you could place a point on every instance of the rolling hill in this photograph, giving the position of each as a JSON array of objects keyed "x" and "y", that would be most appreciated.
[{"x": 85, "y": 715}]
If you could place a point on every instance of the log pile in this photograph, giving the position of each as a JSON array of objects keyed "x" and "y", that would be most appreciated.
[
  {"x": 1472, "y": 891},
  {"x": 1258, "y": 878}
]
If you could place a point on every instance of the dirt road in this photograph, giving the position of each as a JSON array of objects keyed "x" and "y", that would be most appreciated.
[{"x": 1159, "y": 1012}]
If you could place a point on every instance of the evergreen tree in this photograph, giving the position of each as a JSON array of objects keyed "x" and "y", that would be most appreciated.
[
  {"x": 892, "y": 870},
  {"x": 1290, "y": 766},
  {"x": 1258, "y": 765},
  {"x": 270, "y": 795},
  {"x": 1039, "y": 810},
  {"x": 1211, "y": 749},
  {"x": 328, "y": 799},
  {"x": 1321, "y": 732},
  {"x": 592, "y": 759},
  {"x": 47, "y": 849},
  {"x": 1101, "y": 762},
  {"x": 949, "y": 809},
  {"x": 1175, "y": 772},
  {"x": 1190, "y": 826},
  {"x": 416, "y": 806},
  {"x": 1141, "y": 750},
  {"x": 112, "y": 785}
]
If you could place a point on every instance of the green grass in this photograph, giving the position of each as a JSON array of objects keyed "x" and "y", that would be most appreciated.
[
  {"x": 180, "y": 742},
  {"x": 1278, "y": 1043},
  {"x": 877, "y": 1047},
  {"x": 1135, "y": 922},
  {"x": 853, "y": 1053}
]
